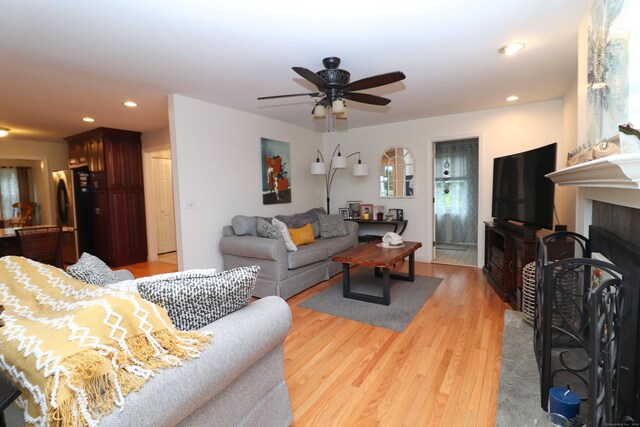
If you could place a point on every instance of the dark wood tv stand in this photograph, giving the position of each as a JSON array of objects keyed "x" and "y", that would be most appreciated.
[{"x": 508, "y": 247}]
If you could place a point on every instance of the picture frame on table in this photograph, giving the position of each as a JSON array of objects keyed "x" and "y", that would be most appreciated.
[
  {"x": 344, "y": 213},
  {"x": 366, "y": 211},
  {"x": 354, "y": 209}
]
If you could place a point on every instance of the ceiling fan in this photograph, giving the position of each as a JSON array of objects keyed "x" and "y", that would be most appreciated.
[{"x": 334, "y": 87}]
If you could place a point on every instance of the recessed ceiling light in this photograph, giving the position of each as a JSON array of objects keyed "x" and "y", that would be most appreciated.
[
  {"x": 511, "y": 49},
  {"x": 4, "y": 132},
  {"x": 512, "y": 98},
  {"x": 130, "y": 104},
  {"x": 88, "y": 119}
]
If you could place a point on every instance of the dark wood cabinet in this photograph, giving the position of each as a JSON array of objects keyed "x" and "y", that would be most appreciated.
[
  {"x": 507, "y": 250},
  {"x": 114, "y": 159}
]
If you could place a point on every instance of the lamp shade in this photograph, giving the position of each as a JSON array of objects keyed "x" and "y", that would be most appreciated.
[
  {"x": 360, "y": 169},
  {"x": 317, "y": 168},
  {"x": 319, "y": 112},
  {"x": 339, "y": 162},
  {"x": 337, "y": 106}
]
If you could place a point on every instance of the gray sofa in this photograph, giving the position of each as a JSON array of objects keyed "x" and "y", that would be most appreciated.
[
  {"x": 237, "y": 381},
  {"x": 284, "y": 273}
]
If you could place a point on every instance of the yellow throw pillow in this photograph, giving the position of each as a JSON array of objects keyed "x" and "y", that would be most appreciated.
[{"x": 302, "y": 235}]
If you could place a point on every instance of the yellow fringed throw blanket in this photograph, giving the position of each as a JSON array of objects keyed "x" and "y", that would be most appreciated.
[{"x": 75, "y": 350}]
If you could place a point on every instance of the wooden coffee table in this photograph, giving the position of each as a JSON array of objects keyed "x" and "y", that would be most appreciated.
[{"x": 382, "y": 259}]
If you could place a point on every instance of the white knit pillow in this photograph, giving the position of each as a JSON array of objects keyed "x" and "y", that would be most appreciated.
[{"x": 286, "y": 236}]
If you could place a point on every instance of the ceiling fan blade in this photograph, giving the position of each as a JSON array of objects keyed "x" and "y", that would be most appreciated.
[
  {"x": 311, "y": 76},
  {"x": 375, "y": 81},
  {"x": 366, "y": 98},
  {"x": 292, "y": 94}
]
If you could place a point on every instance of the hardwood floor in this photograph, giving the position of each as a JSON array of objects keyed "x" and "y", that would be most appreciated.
[{"x": 443, "y": 370}]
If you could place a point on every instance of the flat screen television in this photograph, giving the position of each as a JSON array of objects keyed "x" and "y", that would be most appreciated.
[{"x": 520, "y": 190}]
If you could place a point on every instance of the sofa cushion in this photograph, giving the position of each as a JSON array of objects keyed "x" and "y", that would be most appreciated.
[
  {"x": 284, "y": 231},
  {"x": 303, "y": 235},
  {"x": 332, "y": 226},
  {"x": 306, "y": 255},
  {"x": 244, "y": 225},
  {"x": 335, "y": 245},
  {"x": 268, "y": 230},
  {"x": 195, "y": 299},
  {"x": 91, "y": 269}
]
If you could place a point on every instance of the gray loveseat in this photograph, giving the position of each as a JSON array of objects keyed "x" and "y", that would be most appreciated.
[
  {"x": 284, "y": 273},
  {"x": 237, "y": 381}
]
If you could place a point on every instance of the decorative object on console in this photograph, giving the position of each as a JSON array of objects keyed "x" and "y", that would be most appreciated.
[
  {"x": 344, "y": 212},
  {"x": 379, "y": 212},
  {"x": 276, "y": 181},
  {"x": 337, "y": 162},
  {"x": 334, "y": 87}
]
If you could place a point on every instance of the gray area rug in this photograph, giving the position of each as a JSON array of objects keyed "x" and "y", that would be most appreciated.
[
  {"x": 519, "y": 395},
  {"x": 406, "y": 299}
]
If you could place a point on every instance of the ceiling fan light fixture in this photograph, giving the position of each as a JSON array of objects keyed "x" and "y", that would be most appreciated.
[
  {"x": 337, "y": 106},
  {"x": 343, "y": 115},
  {"x": 4, "y": 132},
  {"x": 319, "y": 112},
  {"x": 511, "y": 49}
]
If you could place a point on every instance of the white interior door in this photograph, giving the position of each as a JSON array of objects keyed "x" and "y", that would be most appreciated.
[{"x": 165, "y": 218}]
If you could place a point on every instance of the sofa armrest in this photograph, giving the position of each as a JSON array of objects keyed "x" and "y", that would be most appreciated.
[
  {"x": 240, "y": 339},
  {"x": 254, "y": 247},
  {"x": 123, "y": 274},
  {"x": 353, "y": 228}
]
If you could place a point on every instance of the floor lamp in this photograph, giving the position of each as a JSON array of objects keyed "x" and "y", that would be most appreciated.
[{"x": 337, "y": 162}]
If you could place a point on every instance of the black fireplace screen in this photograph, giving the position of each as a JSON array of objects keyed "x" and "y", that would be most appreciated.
[{"x": 585, "y": 318}]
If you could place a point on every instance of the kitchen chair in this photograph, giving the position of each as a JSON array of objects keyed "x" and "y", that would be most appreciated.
[
  {"x": 23, "y": 214},
  {"x": 41, "y": 244}
]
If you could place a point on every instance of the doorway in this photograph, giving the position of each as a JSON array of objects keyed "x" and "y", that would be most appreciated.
[
  {"x": 455, "y": 190},
  {"x": 161, "y": 228}
]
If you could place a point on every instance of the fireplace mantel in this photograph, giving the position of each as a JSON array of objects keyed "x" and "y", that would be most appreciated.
[{"x": 616, "y": 171}]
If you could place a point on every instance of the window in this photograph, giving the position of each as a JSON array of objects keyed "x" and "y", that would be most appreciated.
[{"x": 396, "y": 173}]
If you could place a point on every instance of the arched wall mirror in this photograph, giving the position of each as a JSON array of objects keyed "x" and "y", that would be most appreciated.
[{"x": 396, "y": 173}]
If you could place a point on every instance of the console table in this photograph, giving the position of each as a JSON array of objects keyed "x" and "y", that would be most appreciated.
[{"x": 395, "y": 222}]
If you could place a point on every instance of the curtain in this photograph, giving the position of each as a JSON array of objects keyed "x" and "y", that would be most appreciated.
[
  {"x": 9, "y": 192},
  {"x": 456, "y": 191},
  {"x": 15, "y": 186},
  {"x": 24, "y": 184}
]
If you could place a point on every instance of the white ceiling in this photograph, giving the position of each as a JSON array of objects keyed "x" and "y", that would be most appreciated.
[{"x": 64, "y": 60}]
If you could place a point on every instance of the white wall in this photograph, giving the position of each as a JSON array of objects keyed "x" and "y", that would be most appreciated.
[
  {"x": 51, "y": 156},
  {"x": 565, "y": 195},
  {"x": 501, "y": 131},
  {"x": 217, "y": 168}
]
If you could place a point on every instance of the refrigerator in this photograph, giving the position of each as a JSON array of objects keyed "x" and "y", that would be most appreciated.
[{"x": 73, "y": 212}]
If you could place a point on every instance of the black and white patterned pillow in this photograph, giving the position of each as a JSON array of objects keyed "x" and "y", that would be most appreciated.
[
  {"x": 194, "y": 300},
  {"x": 268, "y": 230},
  {"x": 91, "y": 269},
  {"x": 332, "y": 226}
]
